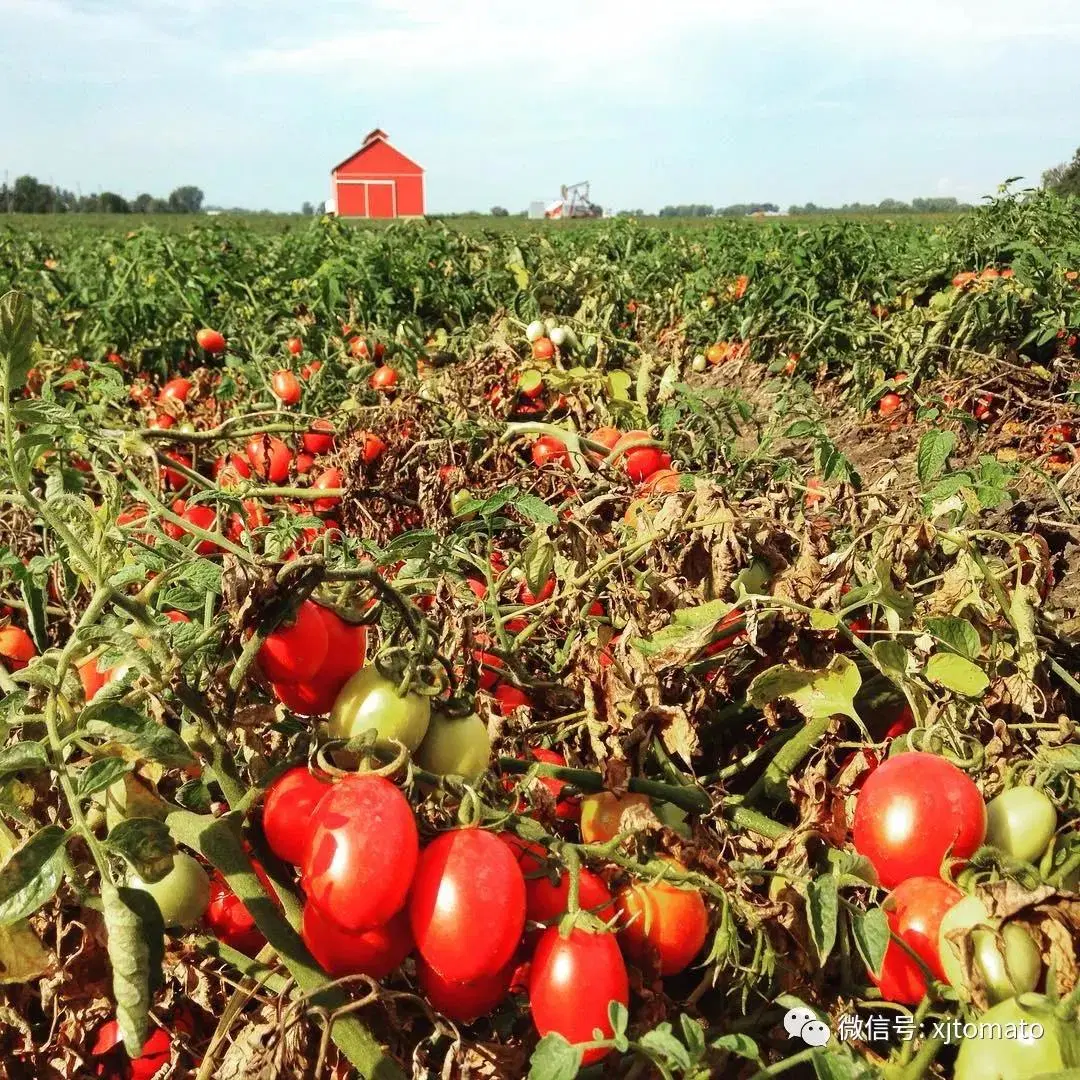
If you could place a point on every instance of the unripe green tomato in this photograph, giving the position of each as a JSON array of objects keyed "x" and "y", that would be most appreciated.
[
  {"x": 370, "y": 700},
  {"x": 458, "y": 747},
  {"x": 992, "y": 1056},
  {"x": 1021, "y": 822},
  {"x": 1006, "y": 972},
  {"x": 182, "y": 895},
  {"x": 698, "y": 363},
  {"x": 127, "y": 797},
  {"x": 460, "y": 499}
]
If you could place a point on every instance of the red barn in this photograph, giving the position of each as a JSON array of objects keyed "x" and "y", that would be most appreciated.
[{"x": 378, "y": 182}]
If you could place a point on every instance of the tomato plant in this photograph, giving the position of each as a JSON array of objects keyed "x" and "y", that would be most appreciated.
[
  {"x": 658, "y": 919},
  {"x": 371, "y": 701}
]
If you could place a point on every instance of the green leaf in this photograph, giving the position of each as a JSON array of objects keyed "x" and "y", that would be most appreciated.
[
  {"x": 934, "y": 450},
  {"x": 554, "y": 1059},
  {"x": 741, "y": 1045},
  {"x": 129, "y": 957},
  {"x": 693, "y": 1035},
  {"x": 146, "y": 844},
  {"x": 32, "y": 875},
  {"x": 663, "y": 1043},
  {"x": 99, "y": 774},
  {"x": 822, "y": 909},
  {"x": 22, "y": 757},
  {"x": 194, "y": 795},
  {"x": 535, "y": 510},
  {"x": 870, "y": 929},
  {"x": 823, "y": 620},
  {"x": 619, "y": 1017},
  {"x": 125, "y": 726},
  {"x": 16, "y": 339},
  {"x": 818, "y": 692},
  {"x": 956, "y": 634},
  {"x": 538, "y": 561},
  {"x": 957, "y": 674},
  {"x": 892, "y": 657},
  {"x": 618, "y": 385}
]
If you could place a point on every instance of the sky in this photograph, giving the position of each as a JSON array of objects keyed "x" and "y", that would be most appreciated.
[{"x": 501, "y": 101}]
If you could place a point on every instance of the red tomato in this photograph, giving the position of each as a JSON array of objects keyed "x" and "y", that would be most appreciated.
[
  {"x": 254, "y": 517},
  {"x": 304, "y": 463},
  {"x": 373, "y": 447},
  {"x": 543, "y": 348},
  {"x": 489, "y": 667},
  {"x": 16, "y": 648},
  {"x": 510, "y": 698},
  {"x": 662, "y": 920},
  {"x": 308, "y": 370},
  {"x": 162, "y": 422},
  {"x": 345, "y": 652},
  {"x": 362, "y": 852},
  {"x": 606, "y": 436},
  {"x": 319, "y": 438},
  {"x": 92, "y": 677},
  {"x": 383, "y": 378},
  {"x": 889, "y": 404},
  {"x": 912, "y": 810},
  {"x": 568, "y": 809},
  {"x": 295, "y": 653},
  {"x": 463, "y": 1001},
  {"x": 572, "y": 982},
  {"x": 230, "y": 468},
  {"x": 640, "y": 463},
  {"x": 156, "y": 1052},
  {"x": 287, "y": 809},
  {"x": 270, "y": 458},
  {"x": 546, "y": 903},
  {"x": 914, "y": 909},
  {"x": 661, "y": 482},
  {"x": 286, "y": 387},
  {"x": 467, "y": 905},
  {"x": 211, "y": 340},
  {"x": 295, "y": 346},
  {"x": 549, "y": 450},
  {"x": 332, "y": 478},
  {"x": 314, "y": 698},
  {"x": 175, "y": 390},
  {"x": 173, "y": 478},
  {"x": 375, "y": 952},
  {"x": 203, "y": 517},
  {"x": 527, "y": 596},
  {"x": 229, "y": 919}
]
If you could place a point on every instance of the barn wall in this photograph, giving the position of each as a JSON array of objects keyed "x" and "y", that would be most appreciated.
[
  {"x": 378, "y": 158},
  {"x": 410, "y": 196},
  {"x": 351, "y": 200}
]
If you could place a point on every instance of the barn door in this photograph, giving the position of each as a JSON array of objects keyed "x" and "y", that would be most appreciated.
[{"x": 381, "y": 201}]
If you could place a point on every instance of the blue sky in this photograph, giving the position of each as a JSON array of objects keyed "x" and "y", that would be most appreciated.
[{"x": 711, "y": 101}]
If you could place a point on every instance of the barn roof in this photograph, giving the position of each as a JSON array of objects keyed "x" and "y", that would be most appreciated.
[{"x": 374, "y": 136}]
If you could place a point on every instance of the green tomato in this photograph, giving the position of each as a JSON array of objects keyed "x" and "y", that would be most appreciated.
[
  {"x": 128, "y": 797},
  {"x": 370, "y": 700},
  {"x": 1007, "y": 967},
  {"x": 455, "y": 747},
  {"x": 183, "y": 894},
  {"x": 1021, "y": 822},
  {"x": 991, "y": 1054},
  {"x": 459, "y": 500}
]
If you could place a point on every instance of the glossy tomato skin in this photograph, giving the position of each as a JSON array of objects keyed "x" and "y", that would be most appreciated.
[
  {"x": 346, "y": 650},
  {"x": 568, "y": 809},
  {"x": 463, "y": 1001},
  {"x": 16, "y": 648},
  {"x": 175, "y": 390},
  {"x": 369, "y": 701},
  {"x": 314, "y": 698},
  {"x": 543, "y": 348},
  {"x": 1021, "y": 822},
  {"x": 546, "y": 902},
  {"x": 331, "y": 478},
  {"x": 362, "y": 852},
  {"x": 600, "y": 814},
  {"x": 467, "y": 905},
  {"x": 270, "y": 458},
  {"x": 914, "y": 909},
  {"x": 912, "y": 810},
  {"x": 295, "y": 653},
  {"x": 550, "y": 450},
  {"x": 182, "y": 894},
  {"x": 527, "y": 596},
  {"x": 212, "y": 341},
  {"x": 287, "y": 808},
  {"x": 659, "y": 919},
  {"x": 295, "y": 346},
  {"x": 228, "y": 918},
  {"x": 319, "y": 438},
  {"x": 508, "y": 698},
  {"x": 571, "y": 984},
  {"x": 286, "y": 387},
  {"x": 375, "y": 952},
  {"x": 383, "y": 378},
  {"x": 640, "y": 462}
]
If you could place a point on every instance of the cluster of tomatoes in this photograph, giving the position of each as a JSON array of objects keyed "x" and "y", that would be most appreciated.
[{"x": 916, "y": 815}]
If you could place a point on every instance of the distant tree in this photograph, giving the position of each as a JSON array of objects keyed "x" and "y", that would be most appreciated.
[
  {"x": 111, "y": 203},
  {"x": 141, "y": 204},
  {"x": 1064, "y": 178},
  {"x": 631, "y": 213},
  {"x": 30, "y": 196},
  {"x": 186, "y": 200},
  {"x": 499, "y": 211},
  {"x": 308, "y": 209}
]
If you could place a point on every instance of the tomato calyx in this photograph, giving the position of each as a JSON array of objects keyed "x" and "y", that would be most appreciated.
[{"x": 410, "y": 673}]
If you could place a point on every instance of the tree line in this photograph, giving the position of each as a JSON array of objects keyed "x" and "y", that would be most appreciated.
[
  {"x": 1064, "y": 178},
  {"x": 28, "y": 195}
]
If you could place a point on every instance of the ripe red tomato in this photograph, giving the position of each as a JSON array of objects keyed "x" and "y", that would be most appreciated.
[
  {"x": 527, "y": 596},
  {"x": 383, "y": 378},
  {"x": 254, "y": 517},
  {"x": 373, "y": 447},
  {"x": 568, "y": 809},
  {"x": 546, "y": 902},
  {"x": 211, "y": 340},
  {"x": 287, "y": 808},
  {"x": 228, "y": 918},
  {"x": 331, "y": 478},
  {"x": 308, "y": 370},
  {"x": 286, "y": 387},
  {"x": 549, "y": 450},
  {"x": 270, "y": 458},
  {"x": 362, "y": 852},
  {"x": 16, "y": 648},
  {"x": 509, "y": 698},
  {"x": 346, "y": 650},
  {"x": 606, "y": 436},
  {"x": 984, "y": 407},
  {"x": 162, "y": 422},
  {"x": 573, "y": 981},
  {"x": 295, "y": 653},
  {"x": 463, "y": 1001},
  {"x": 912, "y": 810},
  {"x": 319, "y": 438},
  {"x": 375, "y": 952},
  {"x": 304, "y": 463},
  {"x": 641, "y": 462},
  {"x": 175, "y": 390},
  {"x": 230, "y": 468},
  {"x": 314, "y": 698},
  {"x": 543, "y": 348},
  {"x": 467, "y": 905},
  {"x": 155, "y": 1053},
  {"x": 661, "y": 482},
  {"x": 659, "y": 918},
  {"x": 173, "y": 478},
  {"x": 92, "y": 677},
  {"x": 295, "y": 346},
  {"x": 890, "y": 403},
  {"x": 914, "y": 909},
  {"x": 203, "y": 517},
  {"x": 489, "y": 666}
]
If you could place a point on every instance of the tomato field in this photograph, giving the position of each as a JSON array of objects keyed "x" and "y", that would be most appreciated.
[{"x": 617, "y": 650}]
